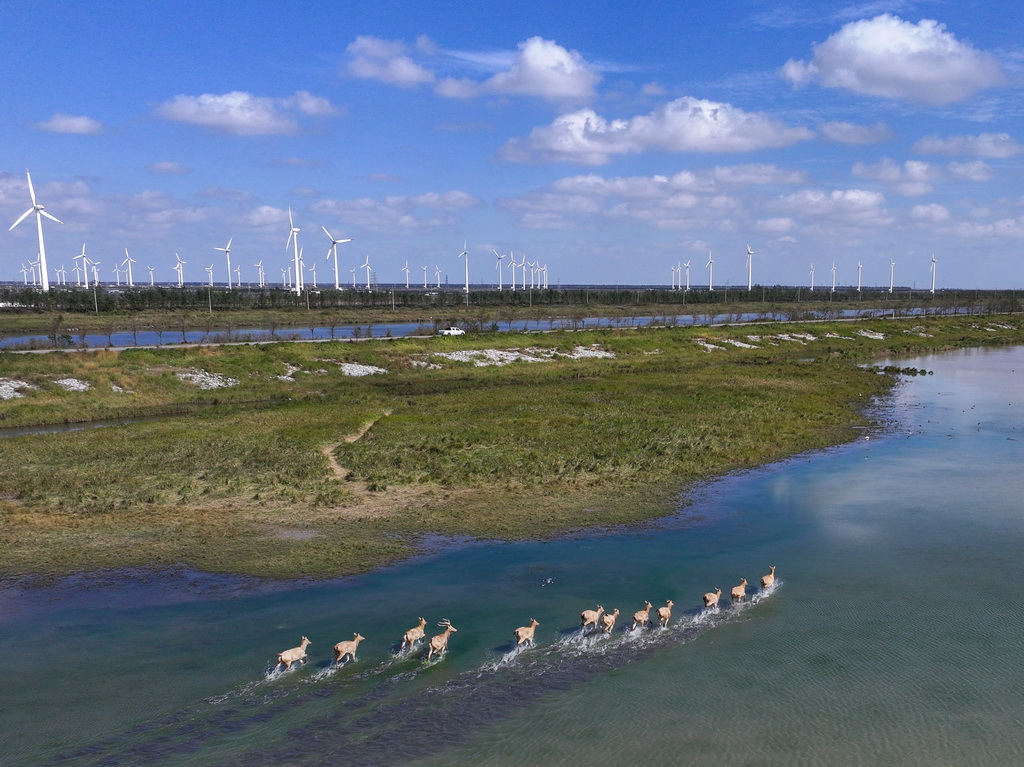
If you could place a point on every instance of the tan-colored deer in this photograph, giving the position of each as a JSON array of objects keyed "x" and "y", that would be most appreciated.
[
  {"x": 590, "y": 617},
  {"x": 608, "y": 621},
  {"x": 524, "y": 634},
  {"x": 711, "y": 598},
  {"x": 642, "y": 617},
  {"x": 439, "y": 643},
  {"x": 294, "y": 655},
  {"x": 739, "y": 592},
  {"x": 769, "y": 579},
  {"x": 414, "y": 635},
  {"x": 665, "y": 613},
  {"x": 347, "y": 648}
]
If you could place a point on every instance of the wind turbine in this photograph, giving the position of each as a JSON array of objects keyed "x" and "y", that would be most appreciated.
[
  {"x": 833, "y": 276},
  {"x": 710, "y": 265},
  {"x": 293, "y": 240},
  {"x": 687, "y": 265},
  {"x": 312, "y": 269},
  {"x": 811, "y": 273},
  {"x": 260, "y": 274},
  {"x": 750, "y": 268},
  {"x": 366, "y": 266},
  {"x": 284, "y": 278},
  {"x": 860, "y": 268},
  {"x": 151, "y": 283},
  {"x": 24, "y": 274},
  {"x": 353, "y": 270},
  {"x": 238, "y": 275},
  {"x": 934, "y": 262},
  {"x": 465, "y": 254},
  {"x": 892, "y": 269},
  {"x": 334, "y": 249},
  {"x": 674, "y": 278},
  {"x": 512, "y": 267},
  {"x": 128, "y": 261},
  {"x": 424, "y": 277},
  {"x": 498, "y": 266},
  {"x": 177, "y": 268},
  {"x": 117, "y": 274},
  {"x": 437, "y": 274},
  {"x": 37, "y": 208},
  {"x": 33, "y": 265},
  {"x": 95, "y": 272},
  {"x": 78, "y": 275},
  {"x": 226, "y": 250},
  {"x": 406, "y": 270},
  {"x": 62, "y": 274},
  {"x": 209, "y": 271}
]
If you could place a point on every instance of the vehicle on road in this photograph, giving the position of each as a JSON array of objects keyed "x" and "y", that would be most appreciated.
[{"x": 451, "y": 332}]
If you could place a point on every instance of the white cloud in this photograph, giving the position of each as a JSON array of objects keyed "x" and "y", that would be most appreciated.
[
  {"x": 373, "y": 58},
  {"x": 540, "y": 68},
  {"x": 933, "y": 213},
  {"x": 684, "y": 125},
  {"x": 971, "y": 171},
  {"x": 409, "y": 213},
  {"x": 168, "y": 167},
  {"x": 911, "y": 178},
  {"x": 776, "y": 225},
  {"x": 988, "y": 145},
  {"x": 849, "y": 133},
  {"x": 894, "y": 59},
  {"x": 243, "y": 114},
  {"x": 840, "y": 207},
  {"x": 77, "y": 124}
]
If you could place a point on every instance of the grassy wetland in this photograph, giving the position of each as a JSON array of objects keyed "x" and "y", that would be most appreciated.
[{"x": 291, "y": 465}]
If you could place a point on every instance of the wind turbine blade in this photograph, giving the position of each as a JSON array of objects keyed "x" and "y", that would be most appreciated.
[
  {"x": 23, "y": 217},
  {"x": 229, "y": 244},
  {"x": 52, "y": 218},
  {"x": 31, "y": 190},
  {"x": 291, "y": 223},
  {"x": 327, "y": 233},
  {"x": 347, "y": 239}
]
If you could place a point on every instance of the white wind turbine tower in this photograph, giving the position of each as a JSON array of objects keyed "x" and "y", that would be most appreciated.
[
  {"x": 512, "y": 266},
  {"x": 811, "y": 273},
  {"x": 128, "y": 261},
  {"x": 424, "y": 277},
  {"x": 293, "y": 240},
  {"x": 366, "y": 266},
  {"x": 674, "y": 278},
  {"x": 710, "y": 265},
  {"x": 117, "y": 274},
  {"x": 465, "y": 254},
  {"x": 406, "y": 270},
  {"x": 353, "y": 270},
  {"x": 260, "y": 273},
  {"x": 860, "y": 269},
  {"x": 687, "y": 265},
  {"x": 24, "y": 274},
  {"x": 892, "y": 269},
  {"x": 312, "y": 270},
  {"x": 833, "y": 276},
  {"x": 284, "y": 278},
  {"x": 209, "y": 271},
  {"x": 226, "y": 250},
  {"x": 62, "y": 274},
  {"x": 37, "y": 208},
  {"x": 437, "y": 274},
  {"x": 151, "y": 282},
  {"x": 238, "y": 275},
  {"x": 934, "y": 262},
  {"x": 750, "y": 268},
  {"x": 179, "y": 270},
  {"x": 95, "y": 272},
  {"x": 84, "y": 265},
  {"x": 334, "y": 249},
  {"x": 32, "y": 266},
  {"x": 499, "y": 257}
]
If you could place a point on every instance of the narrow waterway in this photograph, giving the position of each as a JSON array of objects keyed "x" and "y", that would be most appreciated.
[{"x": 893, "y": 634}]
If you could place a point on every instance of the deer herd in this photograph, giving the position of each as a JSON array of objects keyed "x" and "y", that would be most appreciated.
[{"x": 592, "y": 620}]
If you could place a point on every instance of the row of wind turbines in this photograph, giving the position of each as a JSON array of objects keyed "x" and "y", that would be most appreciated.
[
  {"x": 680, "y": 268},
  {"x": 87, "y": 271}
]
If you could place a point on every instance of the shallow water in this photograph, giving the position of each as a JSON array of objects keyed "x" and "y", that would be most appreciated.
[{"x": 893, "y": 634}]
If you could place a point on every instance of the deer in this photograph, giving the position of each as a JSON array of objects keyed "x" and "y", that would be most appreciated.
[
  {"x": 590, "y": 617},
  {"x": 738, "y": 592},
  {"x": 439, "y": 643},
  {"x": 642, "y": 617},
  {"x": 769, "y": 579},
  {"x": 347, "y": 648},
  {"x": 414, "y": 635},
  {"x": 665, "y": 613},
  {"x": 608, "y": 621},
  {"x": 294, "y": 655},
  {"x": 711, "y": 598},
  {"x": 524, "y": 634}
]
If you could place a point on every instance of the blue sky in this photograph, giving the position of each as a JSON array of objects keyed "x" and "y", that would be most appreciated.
[{"x": 609, "y": 141}]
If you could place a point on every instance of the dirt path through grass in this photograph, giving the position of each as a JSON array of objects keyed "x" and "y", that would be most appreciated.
[{"x": 328, "y": 450}]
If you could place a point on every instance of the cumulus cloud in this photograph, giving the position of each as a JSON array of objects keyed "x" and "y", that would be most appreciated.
[
  {"x": 911, "y": 178},
  {"x": 684, "y": 125},
  {"x": 971, "y": 171},
  {"x": 687, "y": 199},
  {"x": 779, "y": 225},
  {"x": 895, "y": 59},
  {"x": 840, "y": 207},
  {"x": 988, "y": 145},
  {"x": 539, "y": 68},
  {"x": 858, "y": 135},
  {"x": 933, "y": 213},
  {"x": 77, "y": 124},
  {"x": 168, "y": 167},
  {"x": 409, "y": 213},
  {"x": 244, "y": 114}
]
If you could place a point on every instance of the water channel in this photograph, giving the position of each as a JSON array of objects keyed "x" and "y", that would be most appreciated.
[{"x": 892, "y": 636}]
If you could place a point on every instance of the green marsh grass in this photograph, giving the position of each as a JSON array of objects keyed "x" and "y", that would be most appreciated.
[{"x": 236, "y": 480}]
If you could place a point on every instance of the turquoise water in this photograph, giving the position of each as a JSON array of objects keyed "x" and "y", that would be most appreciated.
[{"x": 893, "y": 634}]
